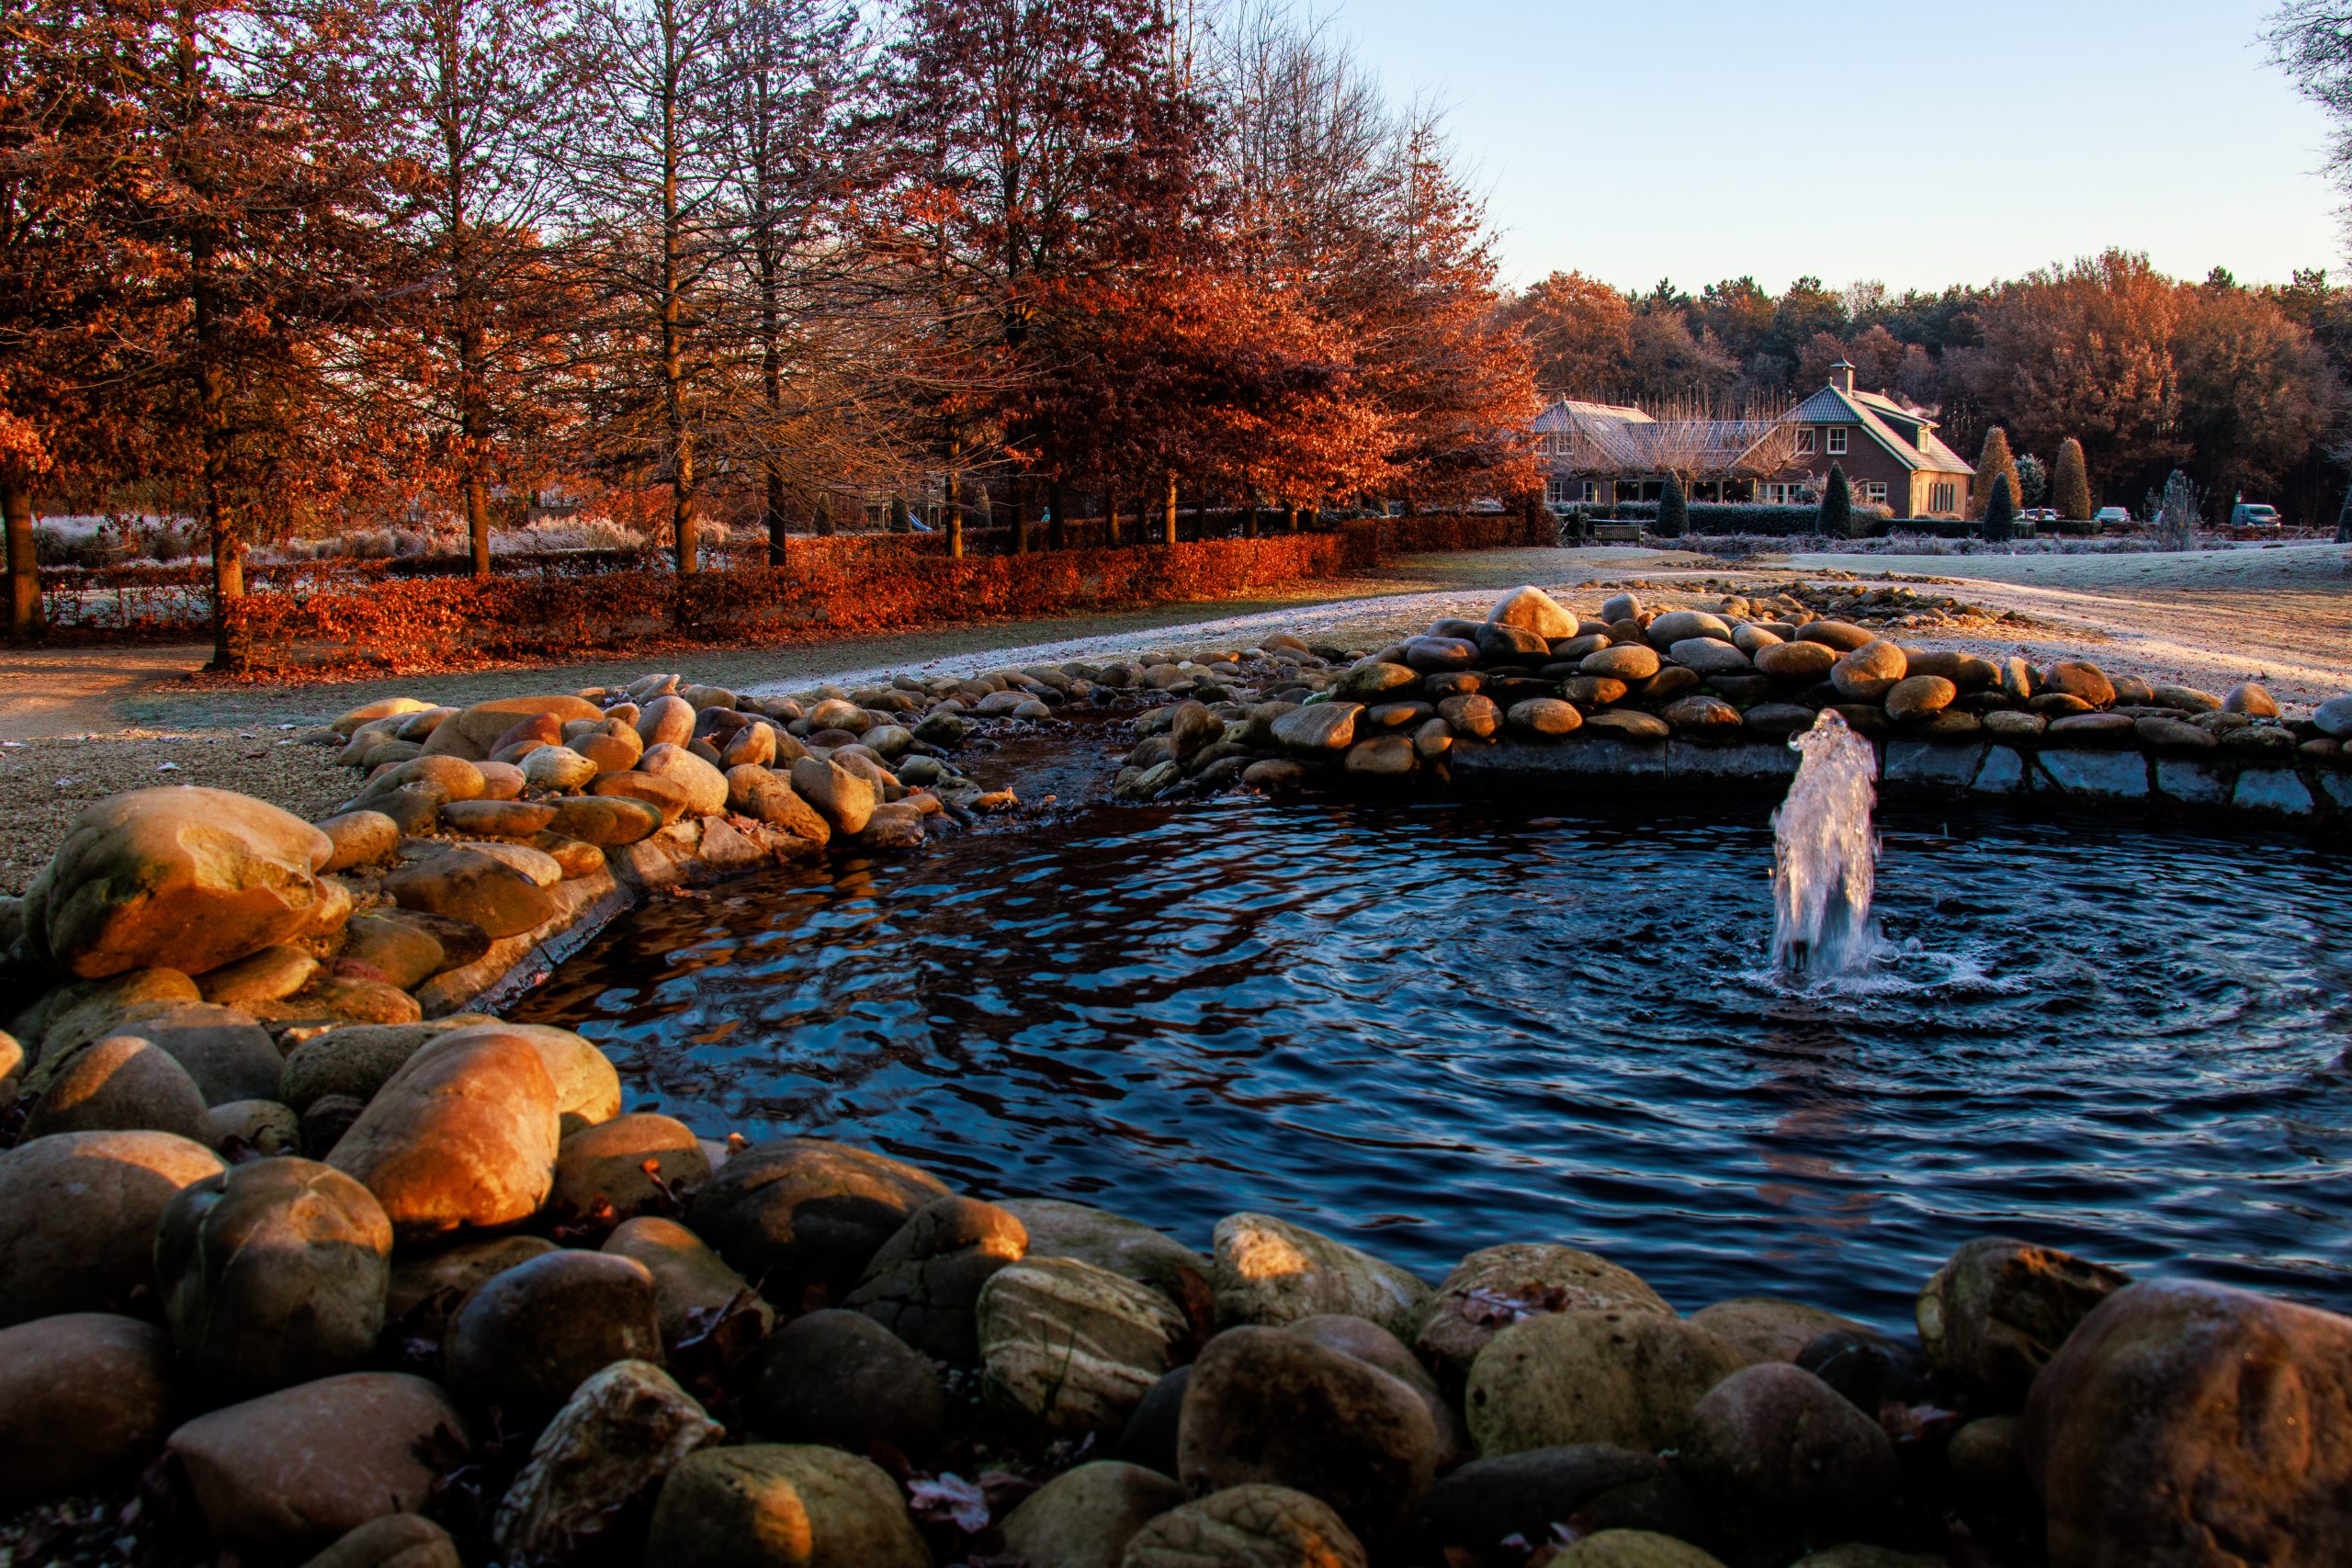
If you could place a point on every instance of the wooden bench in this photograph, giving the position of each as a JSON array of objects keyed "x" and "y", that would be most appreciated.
[{"x": 1616, "y": 532}]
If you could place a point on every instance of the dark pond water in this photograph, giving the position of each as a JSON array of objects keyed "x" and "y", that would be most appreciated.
[{"x": 1431, "y": 1028}]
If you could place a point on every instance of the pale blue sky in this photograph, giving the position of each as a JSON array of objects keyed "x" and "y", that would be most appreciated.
[{"x": 1918, "y": 143}]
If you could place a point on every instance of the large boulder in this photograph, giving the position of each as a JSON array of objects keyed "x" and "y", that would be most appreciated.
[
  {"x": 705, "y": 787},
  {"x": 1495, "y": 1286},
  {"x": 626, "y": 1166},
  {"x": 781, "y": 1506},
  {"x": 83, "y": 1394},
  {"x": 594, "y": 1471},
  {"x": 119, "y": 1084},
  {"x": 274, "y": 1273},
  {"x": 848, "y": 798},
  {"x": 1767, "y": 1328},
  {"x": 525, "y": 1339},
  {"x": 293, "y": 1471},
  {"x": 1271, "y": 1271},
  {"x": 693, "y": 1286},
  {"x": 473, "y": 885},
  {"x": 1246, "y": 1527},
  {"x": 393, "y": 1540},
  {"x": 1627, "y": 1378},
  {"x": 1475, "y": 1509},
  {"x": 1994, "y": 1314},
  {"x": 77, "y": 1217},
  {"x": 1532, "y": 609},
  {"x": 1778, "y": 1447},
  {"x": 2192, "y": 1426},
  {"x": 472, "y": 733},
  {"x": 185, "y": 878},
  {"x": 835, "y": 1376},
  {"x": 1072, "y": 1346},
  {"x": 801, "y": 1218},
  {"x": 924, "y": 1284},
  {"x": 464, "y": 1135},
  {"x": 1060, "y": 1229},
  {"x": 1268, "y": 1407},
  {"x": 1084, "y": 1517}
]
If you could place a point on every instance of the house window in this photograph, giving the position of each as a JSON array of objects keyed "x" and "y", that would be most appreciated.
[
  {"x": 1555, "y": 492},
  {"x": 1874, "y": 492},
  {"x": 1941, "y": 498},
  {"x": 1837, "y": 443},
  {"x": 1591, "y": 492},
  {"x": 1804, "y": 441}
]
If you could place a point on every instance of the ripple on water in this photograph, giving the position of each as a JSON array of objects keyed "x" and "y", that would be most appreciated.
[{"x": 1431, "y": 1028}]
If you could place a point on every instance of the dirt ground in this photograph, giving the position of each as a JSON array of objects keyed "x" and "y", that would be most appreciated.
[{"x": 77, "y": 724}]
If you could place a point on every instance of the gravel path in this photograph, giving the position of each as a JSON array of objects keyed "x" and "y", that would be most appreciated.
[{"x": 77, "y": 724}]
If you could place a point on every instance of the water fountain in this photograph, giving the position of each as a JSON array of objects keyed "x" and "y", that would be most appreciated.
[{"x": 1825, "y": 856}]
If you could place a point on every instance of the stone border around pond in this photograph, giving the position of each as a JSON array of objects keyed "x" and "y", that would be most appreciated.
[{"x": 2317, "y": 798}]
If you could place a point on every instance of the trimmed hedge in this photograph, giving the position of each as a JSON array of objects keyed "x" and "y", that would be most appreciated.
[{"x": 1732, "y": 517}]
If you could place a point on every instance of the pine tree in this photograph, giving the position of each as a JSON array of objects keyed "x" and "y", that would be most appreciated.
[
  {"x": 1994, "y": 463},
  {"x": 1837, "y": 505},
  {"x": 2070, "y": 483},
  {"x": 1673, "y": 510},
  {"x": 2000, "y": 511}
]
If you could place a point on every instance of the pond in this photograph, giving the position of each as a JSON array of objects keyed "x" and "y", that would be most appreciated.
[{"x": 1432, "y": 1027}]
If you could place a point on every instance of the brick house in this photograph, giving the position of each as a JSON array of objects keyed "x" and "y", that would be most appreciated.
[{"x": 1600, "y": 454}]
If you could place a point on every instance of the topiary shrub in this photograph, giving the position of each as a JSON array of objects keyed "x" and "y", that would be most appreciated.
[
  {"x": 2000, "y": 513},
  {"x": 1837, "y": 505},
  {"x": 2070, "y": 483},
  {"x": 1673, "y": 511}
]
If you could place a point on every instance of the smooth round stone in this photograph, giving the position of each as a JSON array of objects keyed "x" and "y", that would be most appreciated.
[
  {"x": 500, "y": 781},
  {"x": 524, "y": 1339},
  {"x": 1702, "y": 715},
  {"x": 667, "y": 720},
  {"x": 554, "y": 769},
  {"x": 1589, "y": 691},
  {"x": 83, "y": 1394},
  {"x": 1627, "y": 1378},
  {"x": 663, "y": 796},
  {"x": 2252, "y": 699},
  {"x": 1780, "y": 719},
  {"x": 1685, "y": 626},
  {"x": 268, "y": 975},
  {"x": 2094, "y": 728},
  {"x": 2011, "y": 726},
  {"x": 360, "y": 838},
  {"x": 122, "y": 1083},
  {"x": 1398, "y": 715},
  {"x": 1620, "y": 607},
  {"x": 1473, "y": 714},
  {"x": 1844, "y": 636},
  {"x": 1709, "y": 657},
  {"x": 1797, "y": 661},
  {"x": 1547, "y": 717},
  {"x": 1246, "y": 1527},
  {"x": 497, "y": 818},
  {"x": 1917, "y": 697},
  {"x": 835, "y": 1376},
  {"x": 775, "y": 1505},
  {"x": 2074, "y": 678},
  {"x": 1383, "y": 756},
  {"x": 1624, "y": 661},
  {"x": 1532, "y": 609},
  {"x": 1574, "y": 649},
  {"x": 1625, "y": 723},
  {"x": 2334, "y": 716},
  {"x": 274, "y": 1273},
  {"x": 77, "y": 1217},
  {"x": 262, "y": 1126},
  {"x": 600, "y": 1170},
  {"x": 2173, "y": 735},
  {"x": 1775, "y": 1442},
  {"x": 1870, "y": 672},
  {"x": 1434, "y": 656}
]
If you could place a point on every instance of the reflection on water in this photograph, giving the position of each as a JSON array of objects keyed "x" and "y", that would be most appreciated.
[{"x": 1429, "y": 1028}]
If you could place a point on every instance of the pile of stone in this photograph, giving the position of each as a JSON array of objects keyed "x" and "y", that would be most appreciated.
[
  {"x": 498, "y": 1322},
  {"x": 1726, "y": 686}
]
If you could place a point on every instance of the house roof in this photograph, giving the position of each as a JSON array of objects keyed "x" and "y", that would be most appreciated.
[
  {"x": 1614, "y": 438},
  {"x": 1873, "y": 412}
]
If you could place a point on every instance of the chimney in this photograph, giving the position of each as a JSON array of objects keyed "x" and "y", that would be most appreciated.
[{"x": 1841, "y": 376}]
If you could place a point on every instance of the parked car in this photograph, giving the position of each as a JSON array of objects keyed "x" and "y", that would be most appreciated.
[
  {"x": 2254, "y": 514},
  {"x": 2112, "y": 517},
  {"x": 2039, "y": 514}
]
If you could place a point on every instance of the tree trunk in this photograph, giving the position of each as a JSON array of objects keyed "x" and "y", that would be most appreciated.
[
  {"x": 1167, "y": 519},
  {"x": 1111, "y": 512},
  {"x": 24, "y": 612},
  {"x": 232, "y": 646},
  {"x": 478, "y": 521},
  {"x": 953, "y": 516},
  {"x": 1057, "y": 524},
  {"x": 1290, "y": 517},
  {"x": 774, "y": 504},
  {"x": 1021, "y": 516},
  {"x": 821, "y": 515}
]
